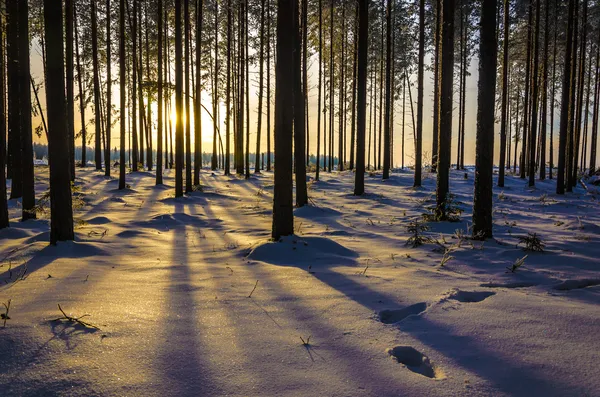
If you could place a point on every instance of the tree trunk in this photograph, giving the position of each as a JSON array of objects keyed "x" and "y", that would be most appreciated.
[
  {"x": 299, "y": 113},
  {"x": 14, "y": 159},
  {"x": 504, "y": 118},
  {"x": 69, "y": 81},
  {"x": 419, "y": 130},
  {"x": 97, "y": 104},
  {"x": 3, "y": 203},
  {"x": 534, "y": 102},
  {"x": 436, "y": 84},
  {"x": 388, "y": 91},
  {"x": 544, "y": 93},
  {"x": 81, "y": 93},
  {"x": 268, "y": 85},
  {"x": 260, "y": 83},
  {"x": 353, "y": 117},
  {"x": 486, "y": 96},
  {"x": 578, "y": 118},
  {"x": 526, "y": 103},
  {"x": 28, "y": 201},
  {"x": 159, "y": 125},
  {"x": 283, "y": 214},
  {"x": 445, "y": 107},
  {"x": 361, "y": 95},
  {"x": 565, "y": 107},
  {"x": 61, "y": 210},
  {"x": 178, "y": 102},
  {"x": 594, "y": 137}
]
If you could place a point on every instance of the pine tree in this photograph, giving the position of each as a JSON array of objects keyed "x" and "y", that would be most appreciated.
[
  {"x": 486, "y": 95},
  {"x": 122, "y": 102},
  {"x": 3, "y": 203},
  {"x": 445, "y": 106},
  {"x": 283, "y": 214},
  {"x": 361, "y": 95},
  {"x": 61, "y": 211}
]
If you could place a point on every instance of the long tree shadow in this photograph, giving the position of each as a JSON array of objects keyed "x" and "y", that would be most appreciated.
[
  {"x": 467, "y": 351},
  {"x": 183, "y": 370}
]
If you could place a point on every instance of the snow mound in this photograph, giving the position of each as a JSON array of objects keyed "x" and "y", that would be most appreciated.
[
  {"x": 98, "y": 220},
  {"x": 296, "y": 251},
  {"x": 415, "y": 361},
  {"x": 392, "y": 316},
  {"x": 568, "y": 285}
]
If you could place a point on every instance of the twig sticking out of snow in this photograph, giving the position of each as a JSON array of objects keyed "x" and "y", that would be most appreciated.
[
  {"x": 76, "y": 320},
  {"x": 255, "y": 285},
  {"x": 4, "y": 316}
]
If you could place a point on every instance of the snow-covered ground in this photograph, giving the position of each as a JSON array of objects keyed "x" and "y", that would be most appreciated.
[{"x": 168, "y": 281}]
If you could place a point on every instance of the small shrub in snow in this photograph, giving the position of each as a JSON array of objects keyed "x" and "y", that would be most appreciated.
[
  {"x": 531, "y": 242},
  {"x": 416, "y": 230}
]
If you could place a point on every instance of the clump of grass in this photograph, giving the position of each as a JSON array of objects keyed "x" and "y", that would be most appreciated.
[{"x": 531, "y": 242}]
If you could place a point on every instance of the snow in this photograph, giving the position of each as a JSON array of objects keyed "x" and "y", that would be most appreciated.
[{"x": 167, "y": 280}]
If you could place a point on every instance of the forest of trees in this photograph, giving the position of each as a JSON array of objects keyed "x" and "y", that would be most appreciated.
[{"x": 362, "y": 62}]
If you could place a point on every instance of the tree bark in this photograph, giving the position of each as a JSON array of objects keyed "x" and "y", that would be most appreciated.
[
  {"x": 61, "y": 210},
  {"x": 361, "y": 95},
  {"x": 283, "y": 215},
  {"x": 445, "y": 107}
]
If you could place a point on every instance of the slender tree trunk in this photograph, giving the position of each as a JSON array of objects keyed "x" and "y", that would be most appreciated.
[
  {"x": 381, "y": 83},
  {"x": 578, "y": 118},
  {"x": 269, "y": 85},
  {"x": 3, "y": 203},
  {"x": 535, "y": 95},
  {"x": 304, "y": 74},
  {"x": 28, "y": 201},
  {"x": 388, "y": 91},
  {"x": 108, "y": 91},
  {"x": 445, "y": 107},
  {"x": 572, "y": 103},
  {"x": 594, "y": 137},
  {"x": 544, "y": 93},
  {"x": 504, "y": 118},
  {"x": 214, "y": 160},
  {"x": 526, "y": 103},
  {"x": 341, "y": 95},
  {"x": 14, "y": 159},
  {"x": 247, "y": 69},
  {"x": 353, "y": 118},
  {"x": 81, "y": 93},
  {"x": 565, "y": 105},
  {"x": 554, "y": 47},
  {"x": 319, "y": 88},
  {"x": 178, "y": 102},
  {"x": 159, "y": 124},
  {"x": 299, "y": 113},
  {"x": 260, "y": 83},
  {"x": 61, "y": 210},
  {"x": 69, "y": 81},
  {"x": 361, "y": 95},
  {"x": 436, "y": 84},
  {"x": 419, "y": 127}
]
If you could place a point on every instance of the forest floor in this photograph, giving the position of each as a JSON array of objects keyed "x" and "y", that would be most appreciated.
[{"x": 192, "y": 299}]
